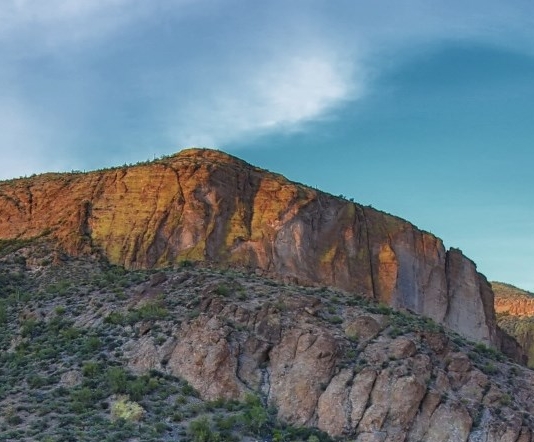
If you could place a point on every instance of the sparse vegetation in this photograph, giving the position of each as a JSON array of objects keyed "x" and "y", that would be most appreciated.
[{"x": 68, "y": 331}]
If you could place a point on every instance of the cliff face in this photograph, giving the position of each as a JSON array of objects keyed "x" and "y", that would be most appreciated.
[
  {"x": 510, "y": 300},
  {"x": 204, "y": 205},
  {"x": 515, "y": 315}
]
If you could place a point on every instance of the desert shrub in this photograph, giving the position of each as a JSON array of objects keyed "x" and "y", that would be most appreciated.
[
  {"x": 150, "y": 311},
  {"x": 115, "y": 318},
  {"x": 3, "y": 313},
  {"x": 186, "y": 263},
  {"x": 222, "y": 290},
  {"x": 490, "y": 368},
  {"x": 91, "y": 369},
  {"x": 30, "y": 328},
  {"x": 255, "y": 417},
  {"x": 188, "y": 390},
  {"x": 117, "y": 379},
  {"x": 200, "y": 430},
  {"x": 82, "y": 399},
  {"x": 335, "y": 320},
  {"x": 128, "y": 410},
  {"x": 92, "y": 344}
]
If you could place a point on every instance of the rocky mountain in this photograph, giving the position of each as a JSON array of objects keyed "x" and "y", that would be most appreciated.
[
  {"x": 511, "y": 300},
  {"x": 206, "y": 206},
  {"x": 515, "y": 315},
  {"x": 90, "y": 352}
]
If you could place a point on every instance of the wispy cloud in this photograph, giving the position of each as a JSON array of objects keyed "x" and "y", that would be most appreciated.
[
  {"x": 280, "y": 94},
  {"x": 210, "y": 72}
]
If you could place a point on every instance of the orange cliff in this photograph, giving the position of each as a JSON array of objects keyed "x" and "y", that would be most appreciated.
[{"x": 205, "y": 205}]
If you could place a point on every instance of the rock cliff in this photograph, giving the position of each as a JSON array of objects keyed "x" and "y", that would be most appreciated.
[
  {"x": 515, "y": 315},
  {"x": 204, "y": 205}
]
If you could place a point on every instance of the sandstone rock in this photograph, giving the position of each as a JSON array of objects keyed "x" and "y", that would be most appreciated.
[
  {"x": 144, "y": 356},
  {"x": 301, "y": 366},
  {"x": 422, "y": 419},
  {"x": 516, "y": 308},
  {"x": 207, "y": 359},
  {"x": 401, "y": 348},
  {"x": 364, "y": 327},
  {"x": 449, "y": 423},
  {"x": 332, "y": 408},
  {"x": 360, "y": 392},
  {"x": 204, "y": 205}
]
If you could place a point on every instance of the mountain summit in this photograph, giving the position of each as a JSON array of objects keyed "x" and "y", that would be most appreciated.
[{"x": 207, "y": 206}]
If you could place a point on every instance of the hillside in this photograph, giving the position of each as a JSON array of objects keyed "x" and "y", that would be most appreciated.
[
  {"x": 206, "y": 206},
  {"x": 515, "y": 315},
  {"x": 91, "y": 351}
]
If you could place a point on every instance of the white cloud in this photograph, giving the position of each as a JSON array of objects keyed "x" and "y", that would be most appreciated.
[
  {"x": 279, "y": 94},
  {"x": 276, "y": 70}
]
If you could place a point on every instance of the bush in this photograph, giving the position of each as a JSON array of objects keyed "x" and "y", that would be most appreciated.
[
  {"x": 90, "y": 369},
  {"x": 115, "y": 318},
  {"x": 255, "y": 416},
  {"x": 222, "y": 290},
  {"x": 117, "y": 379},
  {"x": 128, "y": 410},
  {"x": 82, "y": 399},
  {"x": 200, "y": 430},
  {"x": 3, "y": 313}
]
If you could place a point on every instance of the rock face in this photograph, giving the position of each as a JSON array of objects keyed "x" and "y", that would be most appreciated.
[
  {"x": 515, "y": 315},
  {"x": 321, "y": 357},
  {"x": 204, "y": 205},
  {"x": 510, "y": 300},
  {"x": 416, "y": 386}
]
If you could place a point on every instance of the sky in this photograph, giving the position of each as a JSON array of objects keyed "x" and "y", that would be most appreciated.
[{"x": 420, "y": 108}]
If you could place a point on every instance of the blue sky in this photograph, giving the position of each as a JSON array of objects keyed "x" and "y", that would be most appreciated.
[{"x": 424, "y": 109}]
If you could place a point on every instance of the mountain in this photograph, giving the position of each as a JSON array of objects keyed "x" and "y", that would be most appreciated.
[
  {"x": 515, "y": 315},
  {"x": 92, "y": 352},
  {"x": 199, "y": 298},
  {"x": 206, "y": 206}
]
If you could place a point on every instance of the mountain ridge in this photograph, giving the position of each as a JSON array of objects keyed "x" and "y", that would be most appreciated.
[{"x": 208, "y": 206}]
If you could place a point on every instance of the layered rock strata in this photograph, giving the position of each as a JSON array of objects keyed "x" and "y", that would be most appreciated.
[{"x": 204, "y": 205}]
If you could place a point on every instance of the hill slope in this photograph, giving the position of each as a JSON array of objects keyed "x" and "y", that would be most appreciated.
[
  {"x": 205, "y": 355},
  {"x": 204, "y": 205}
]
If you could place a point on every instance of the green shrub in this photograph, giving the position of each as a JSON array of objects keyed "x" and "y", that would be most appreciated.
[
  {"x": 115, "y": 318},
  {"x": 91, "y": 369},
  {"x": 222, "y": 290},
  {"x": 188, "y": 390},
  {"x": 128, "y": 410},
  {"x": 3, "y": 313},
  {"x": 117, "y": 379},
  {"x": 200, "y": 430},
  {"x": 335, "y": 320},
  {"x": 92, "y": 344},
  {"x": 30, "y": 328},
  {"x": 82, "y": 399},
  {"x": 255, "y": 417}
]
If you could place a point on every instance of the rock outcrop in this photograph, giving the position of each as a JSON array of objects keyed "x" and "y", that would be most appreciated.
[
  {"x": 515, "y": 315},
  {"x": 403, "y": 380},
  {"x": 510, "y": 300},
  {"x": 315, "y": 356},
  {"x": 204, "y": 205}
]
